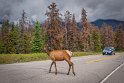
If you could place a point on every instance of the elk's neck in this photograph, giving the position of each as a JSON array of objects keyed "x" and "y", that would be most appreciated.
[{"x": 48, "y": 52}]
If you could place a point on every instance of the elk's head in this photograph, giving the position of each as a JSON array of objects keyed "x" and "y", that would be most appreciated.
[{"x": 47, "y": 48}]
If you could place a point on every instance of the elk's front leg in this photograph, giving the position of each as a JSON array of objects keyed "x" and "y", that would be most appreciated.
[{"x": 50, "y": 67}]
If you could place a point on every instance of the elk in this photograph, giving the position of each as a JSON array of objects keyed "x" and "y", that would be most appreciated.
[{"x": 60, "y": 55}]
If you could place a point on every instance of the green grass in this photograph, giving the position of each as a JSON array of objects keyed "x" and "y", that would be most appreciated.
[
  {"x": 76, "y": 54},
  {"x": 17, "y": 58}
]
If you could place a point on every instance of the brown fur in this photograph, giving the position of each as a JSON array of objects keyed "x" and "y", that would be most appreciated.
[{"x": 60, "y": 55}]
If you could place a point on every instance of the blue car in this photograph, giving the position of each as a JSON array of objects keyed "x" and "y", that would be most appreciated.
[{"x": 108, "y": 51}]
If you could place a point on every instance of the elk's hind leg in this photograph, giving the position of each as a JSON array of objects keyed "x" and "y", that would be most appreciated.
[
  {"x": 69, "y": 69},
  {"x": 70, "y": 64},
  {"x": 73, "y": 69}
]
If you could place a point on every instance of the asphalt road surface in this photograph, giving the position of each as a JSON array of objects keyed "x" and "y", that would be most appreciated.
[{"x": 88, "y": 69}]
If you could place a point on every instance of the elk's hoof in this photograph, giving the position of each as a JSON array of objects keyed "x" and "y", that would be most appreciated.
[
  {"x": 74, "y": 74},
  {"x": 67, "y": 73}
]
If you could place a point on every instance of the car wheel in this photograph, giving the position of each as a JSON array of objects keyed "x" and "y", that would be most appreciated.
[{"x": 113, "y": 53}]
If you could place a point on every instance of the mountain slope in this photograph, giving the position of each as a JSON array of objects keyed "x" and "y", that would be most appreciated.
[{"x": 110, "y": 22}]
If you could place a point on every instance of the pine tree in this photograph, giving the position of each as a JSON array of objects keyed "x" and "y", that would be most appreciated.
[
  {"x": 90, "y": 36},
  {"x": 27, "y": 43},
  {"x": 4, "y": 35},
  {"x": 22, "y": 29},
  {"x": 1, "y": 43},
  {"x": 119, "y": 39},
  {"x": 37, "y": 39},
  {"x": 74, "y": 34},
  {"x": 1, "y": 47},
  {"x": 107, "y": 36},
  {"x": 44, "y": 38},
  {"x": 85, "y": 30},
  {"x": 13, "y": 40},
  {"x": 55, "y": 31},
  {"x": 68, "y": 31},
  {"x": 96, "y": 40}
]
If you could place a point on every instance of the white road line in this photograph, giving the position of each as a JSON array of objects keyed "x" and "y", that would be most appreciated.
[{"x": 111, "y": 73}]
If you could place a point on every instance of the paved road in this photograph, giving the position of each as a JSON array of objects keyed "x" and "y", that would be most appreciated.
[
  {"x": 117, "y": 76},
  {"x": 89, "y": 69}
]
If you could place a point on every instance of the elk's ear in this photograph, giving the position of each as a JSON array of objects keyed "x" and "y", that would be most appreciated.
[{"x": 49, "y": 48}]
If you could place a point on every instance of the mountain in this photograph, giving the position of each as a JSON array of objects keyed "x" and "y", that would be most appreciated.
[
  {"x": 98, "y": 23},
  {"x": 111, "y": 22}
]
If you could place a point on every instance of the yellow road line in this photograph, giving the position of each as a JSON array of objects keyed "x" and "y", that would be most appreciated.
[{"x": 101, "y": 59}]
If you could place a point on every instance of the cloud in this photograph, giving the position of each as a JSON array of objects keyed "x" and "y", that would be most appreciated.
[{"x": 96, "y": 9}]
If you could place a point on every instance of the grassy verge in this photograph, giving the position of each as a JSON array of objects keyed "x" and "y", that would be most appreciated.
[
  {"x": 76, "y": 54},
  {"x": 16, "y": 58}
]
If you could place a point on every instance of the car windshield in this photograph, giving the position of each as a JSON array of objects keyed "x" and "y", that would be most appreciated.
[{"x": 108, "y": 48}]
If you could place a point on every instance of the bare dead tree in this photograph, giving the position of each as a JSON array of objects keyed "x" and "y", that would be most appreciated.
[
  {"x": 107, "y": 35},
  {"x": 55, "y": 32},
  {"x": 85, "y": 30},
  {"x": 67, "y": 19}
]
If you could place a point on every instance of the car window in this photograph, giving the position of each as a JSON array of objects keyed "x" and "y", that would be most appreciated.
[{"x": 108, "y": 48}]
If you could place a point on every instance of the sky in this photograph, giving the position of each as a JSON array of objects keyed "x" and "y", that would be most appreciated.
[{"x": 36, "y": 9}]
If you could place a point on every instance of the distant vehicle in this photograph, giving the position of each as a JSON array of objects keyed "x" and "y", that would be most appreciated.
[{"x": 108, "y": 51}]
